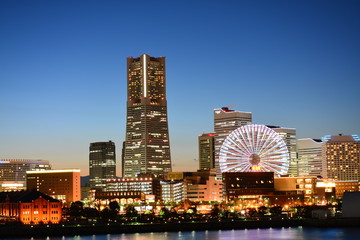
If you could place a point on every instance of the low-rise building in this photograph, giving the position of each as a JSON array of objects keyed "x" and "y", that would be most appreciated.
[
  {"x": 302, "y": 185},
  {"x": 247, "y": 185},
  {"x": 146, "y": 184},
  {"x": 173, "y": 191},
  {"x": 30, "y": 207}
]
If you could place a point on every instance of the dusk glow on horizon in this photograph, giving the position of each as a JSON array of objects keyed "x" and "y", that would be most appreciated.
[{"x": 292, "y": 64}]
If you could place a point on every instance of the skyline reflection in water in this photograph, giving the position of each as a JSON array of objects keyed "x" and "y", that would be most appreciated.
[{"x": 297, "y": 233}]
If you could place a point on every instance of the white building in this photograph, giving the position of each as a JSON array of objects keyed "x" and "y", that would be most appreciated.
[
  {"x": 310, "y": 160},
  {"x": 226, "y": 121},
  {"x": 289, "y": 136}
]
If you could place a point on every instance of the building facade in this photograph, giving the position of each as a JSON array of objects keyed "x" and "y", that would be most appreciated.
[
  {"x": 102, "y": 163},
  {"x": 240, "y": 185},
  {"x": 289, "y": 136},
  {"x": 206, "y": 151},
  {"x": 29, "y": 207},
  {"x": 310, "y": 160},
  {"x": 147, "y": 146},
  {"x": 342, "y": 157},
  {"x": 226, "y": 121},
  {"x": 146, "y": 185},
  {"x": 63, "y": 185},
  {"x": 173, "y": 191},
  {"x": 13, "y": 172},
  {"x": 302, "y": 185}
]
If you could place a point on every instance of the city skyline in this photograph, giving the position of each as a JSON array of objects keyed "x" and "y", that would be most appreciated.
[{"x": 63, "y": 82}]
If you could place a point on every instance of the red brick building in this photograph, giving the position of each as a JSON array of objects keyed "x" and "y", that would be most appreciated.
[{"x": 29, "y": 207}]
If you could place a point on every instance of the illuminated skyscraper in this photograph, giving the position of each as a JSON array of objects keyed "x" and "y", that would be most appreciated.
[
  {"x": 342, "y": 157},
  {"x": 102, "y": 163},
  {"x": 147, "y": 147},
  {"x": 310, "y": 160},
  {"x": 226, "y": 121},
  {"x": 206, "y": 151}
]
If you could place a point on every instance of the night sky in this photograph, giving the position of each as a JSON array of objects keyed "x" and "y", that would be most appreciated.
[{"x": 63, "y": 70}]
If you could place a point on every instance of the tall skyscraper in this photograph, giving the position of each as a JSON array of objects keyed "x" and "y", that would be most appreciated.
[
  {"x": 147, "y": 146},
  {"x": 310, "y": 161},
  {"x": 342, "y": 157},
  {"x": 289, "y": 136},
  {"x": 226, "y": 121},
  {"x": 102, "y": 163},
  {"x": 206, "y": 151}
]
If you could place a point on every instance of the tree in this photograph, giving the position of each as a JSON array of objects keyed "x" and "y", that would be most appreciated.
[
  {"x": 114, "y": 206},
  {"x": 131, "y": 211},
  {"x": 276, "y": 210},
  {"x": 106, "y": 214},
  {"x": 215, "y": 211},
  {"x": 91, "y": 213},
  {"x": 262, "y": 210},
  {"x": 76, "y": 210}
]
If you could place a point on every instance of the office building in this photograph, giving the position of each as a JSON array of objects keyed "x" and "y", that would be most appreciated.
[
  {"x": 226, "y": 121},
  {"x": 310, "y": 160},
  {"x": 63, "y": 185},
  {"x": 206, "y": 151},
  {"x": 13, "y": 172},
  {"x": 342, "y": 157},
  {"x": 173, "y": 191},
  {"x": 247, "y": 184},
  {"x": 102, "y": 163},
  {"x": 147, "y": 146},
  {"x": 200, "y": 186},
  {"x": 289, "y": 136},
  {"x": 147, "y": 185},
  {"x": 302, "y": 185}
]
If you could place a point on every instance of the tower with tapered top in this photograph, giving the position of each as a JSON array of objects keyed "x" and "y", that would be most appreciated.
[{"x": 147, "y": 146}]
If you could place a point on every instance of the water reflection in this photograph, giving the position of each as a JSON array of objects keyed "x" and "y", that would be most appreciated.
[{"x": 297, "y": 233}]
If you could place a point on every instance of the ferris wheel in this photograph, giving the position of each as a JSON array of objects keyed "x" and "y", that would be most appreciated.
[{"x": 254, "y": 148}]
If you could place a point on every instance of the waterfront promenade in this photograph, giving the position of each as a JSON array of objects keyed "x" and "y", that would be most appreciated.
[{"x": 116, "y": 228}]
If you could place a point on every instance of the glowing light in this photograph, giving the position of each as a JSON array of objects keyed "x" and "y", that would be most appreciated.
[
  {"x": 254, "y": 148},
  {"x": 54, "y": 171},
  {"x": 144, "y": 75}
]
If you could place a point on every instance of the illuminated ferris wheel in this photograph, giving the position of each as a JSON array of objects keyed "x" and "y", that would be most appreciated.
[{"x": 254, "y": 148}]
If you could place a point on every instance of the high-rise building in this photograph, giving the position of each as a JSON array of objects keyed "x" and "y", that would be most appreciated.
[
  {"x": 102, "y": 163},
  {"x": 342, "y": 157},
  {"x": 289, "y": 136},
  {"x": 226, "y": 121},
  {"x": 310, "y": 160},
  {"x": 206, "y": 151},
  {"x": 13, "y": 172},
  {"x": 147, "y": 147},
  {"x": 63, "y": 185}
]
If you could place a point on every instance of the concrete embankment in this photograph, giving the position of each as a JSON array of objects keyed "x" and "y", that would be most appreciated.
[{"x": 117, "y": 228}]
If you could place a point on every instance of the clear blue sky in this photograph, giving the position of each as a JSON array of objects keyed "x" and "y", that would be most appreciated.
[{"x": 63, "y": 70}]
